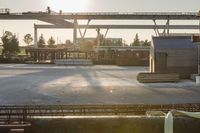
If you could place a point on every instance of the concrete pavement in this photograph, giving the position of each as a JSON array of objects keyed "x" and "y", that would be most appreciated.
[{"x": 51, "y": 84}]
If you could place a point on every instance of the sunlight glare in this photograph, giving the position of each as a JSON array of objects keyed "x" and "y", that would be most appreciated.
[{"x": 69, "y": 5}]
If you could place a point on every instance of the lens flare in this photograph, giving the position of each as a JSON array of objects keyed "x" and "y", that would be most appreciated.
[{"x": 68, "y": 5}]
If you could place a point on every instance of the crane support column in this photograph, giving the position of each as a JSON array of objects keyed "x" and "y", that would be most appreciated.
[
  {"x": 75, "y": 32},
  {"x": 98, "y": 37},
  {"x": 86, "y": 28},
  {"x": 168, "y": 23},
  {"x": 35, "y": 36}
]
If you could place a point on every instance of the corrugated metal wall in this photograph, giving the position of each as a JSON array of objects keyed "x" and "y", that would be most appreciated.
[{"x": 174, "y": 55}]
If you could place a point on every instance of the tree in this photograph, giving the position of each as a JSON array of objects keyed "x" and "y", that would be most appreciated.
[
  {"x": 136, "y": 41},
  {"x": 146, "y": 43},
  {"x": 86, "y": 46},
  {"x": 10, "y": 44},
  {"x": 41, "y": 42},
  {"x": 68, "y": 42},
  {"x": 51, "y": 42},
  {"x": 28, "y": 39}
]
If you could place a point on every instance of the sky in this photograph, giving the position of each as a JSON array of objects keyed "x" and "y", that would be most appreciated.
[{"x": 22, "y": 27}]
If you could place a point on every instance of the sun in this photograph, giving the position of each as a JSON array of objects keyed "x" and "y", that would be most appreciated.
[{"x": 69, "y": 5}]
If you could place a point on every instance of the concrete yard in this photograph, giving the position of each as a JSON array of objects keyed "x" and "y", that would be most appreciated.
[{"x": 51, "y": 84}]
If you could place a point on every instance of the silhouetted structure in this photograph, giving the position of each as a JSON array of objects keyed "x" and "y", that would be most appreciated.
[{"x": 43, "y": 54}]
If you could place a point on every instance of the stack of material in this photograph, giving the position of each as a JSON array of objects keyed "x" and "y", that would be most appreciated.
[
  {"x": 16, "y": 131},
  {"x": 73, "y": 62},
  {"x": 157, "y": 77}
]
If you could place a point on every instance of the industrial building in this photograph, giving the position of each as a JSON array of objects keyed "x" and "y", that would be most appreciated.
[
  {"x": 174, "y": 54},
  {"x": 48, "y": 98}
]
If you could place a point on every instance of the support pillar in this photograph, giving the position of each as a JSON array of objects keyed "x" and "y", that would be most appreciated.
[
  {"x": 156, "y": 28},
  {"x": 83, "y": 35},
  {"x": 86, "y": 28},
  {"x": 106, "y": 33},
  {"x": 168, "y": 23},
  {"x": 98, "y": 42},
  {"x": 75, "y": 32},
  {"x": 98, "y": 37},
  {"x": 35, "y": 36}
]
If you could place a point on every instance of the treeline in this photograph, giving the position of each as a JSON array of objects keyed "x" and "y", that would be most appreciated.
[
  {"x": 51, "y": 43},
  {"x": 10, "y": 43},
  {"x": 103, "y": 42},
  {"x": 138, "y": 42}
]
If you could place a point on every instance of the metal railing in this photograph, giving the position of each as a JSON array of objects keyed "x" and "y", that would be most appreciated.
[
  {"x": 7, "y": 11},
  {"x": 4, "y": 10},
  {"x": 20, "y": 114},
  {"x": 133, "y": 13}
]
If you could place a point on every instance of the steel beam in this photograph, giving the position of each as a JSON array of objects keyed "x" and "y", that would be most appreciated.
[
  {"x": 105, "y": 16},
  {"x": 98, "y": 38},
  {"x": 167, "y": 27},
  {"x": 155, "y": 28},
  {"x": 86, "y": 28},
  {"x": 106, "y": 33},
  {"x": 83, "y": 35},
  {"x": 56, "y": 21},
  {"x": 184, "y": 27},
  {"x": 168, "y": 24}
]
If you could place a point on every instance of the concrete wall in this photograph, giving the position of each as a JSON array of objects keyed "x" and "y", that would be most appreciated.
[
  {"x": 132, "y": 58},
  {"x": 112, "y": 125}
]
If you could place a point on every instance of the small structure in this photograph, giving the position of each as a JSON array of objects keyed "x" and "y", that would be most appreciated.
[
  {"x": 114, "y": 40},
  {"x": 124, "y": 56},
  {"x": 134, "y": 57},
  {"x": 174, "y": 54},
  {"x": 43, "y": 54}
]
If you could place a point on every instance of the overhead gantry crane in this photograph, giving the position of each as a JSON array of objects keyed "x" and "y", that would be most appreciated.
[{"x": 62, "y": 20}]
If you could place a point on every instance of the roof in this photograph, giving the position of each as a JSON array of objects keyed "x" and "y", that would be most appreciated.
[
  {"x": 122, "y": 48},
  {"x": 168, "y": 42}
]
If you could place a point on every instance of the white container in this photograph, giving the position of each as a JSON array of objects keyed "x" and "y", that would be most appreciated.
[{"x": 197, "y": 80}]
